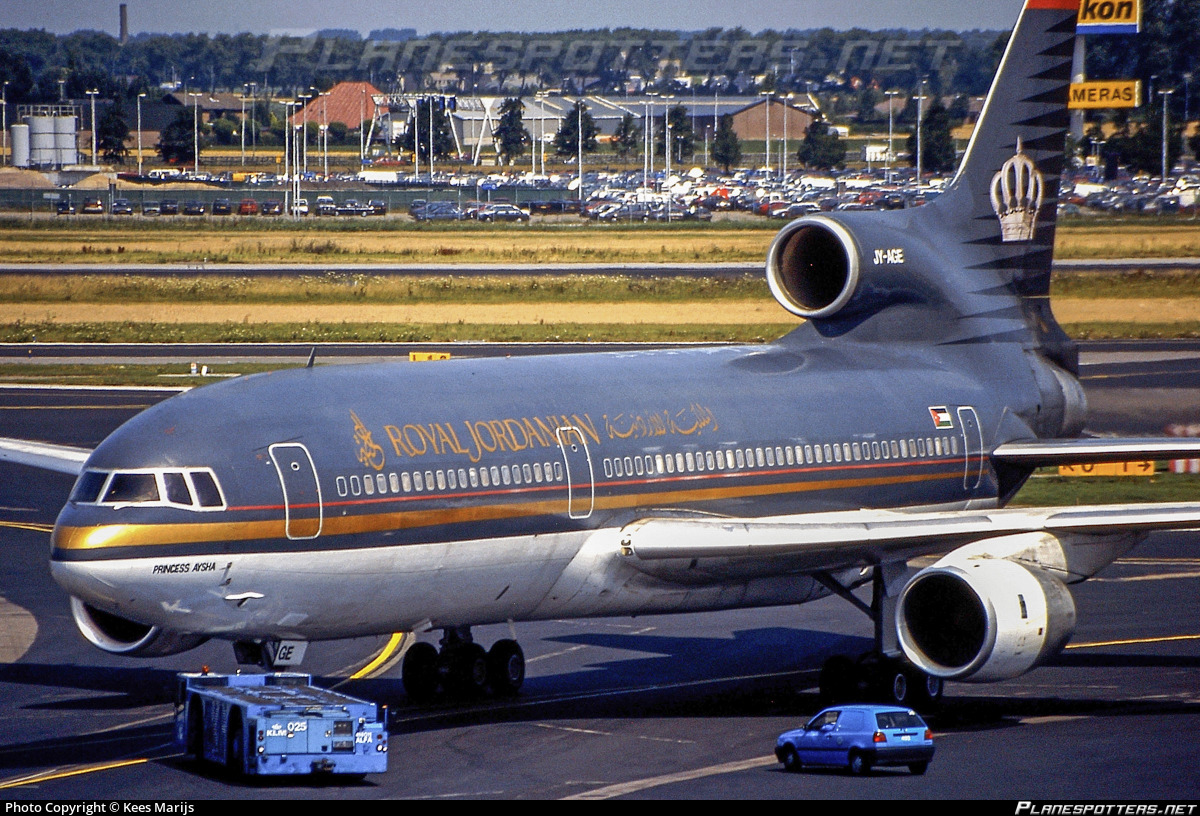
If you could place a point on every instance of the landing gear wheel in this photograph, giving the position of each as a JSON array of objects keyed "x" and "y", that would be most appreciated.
[
  {"x": 506, "y": 668},
  {"x": 467, "y": 674},
  {"x": 895, "y": 684},
  {"x": 419, "y": 672},
  {"x": 839, "y": 679},
  {"x": 926, "y": 689}
]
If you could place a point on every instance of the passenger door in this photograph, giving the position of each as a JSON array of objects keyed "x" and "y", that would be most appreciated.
[{"x": 303, "y": 510}]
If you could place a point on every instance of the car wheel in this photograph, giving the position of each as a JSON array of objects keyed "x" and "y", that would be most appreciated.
[
  {"x": 858, "y": 764},
  {"x": 918, "y": 768},
  {"x": 790, "y": 759}
]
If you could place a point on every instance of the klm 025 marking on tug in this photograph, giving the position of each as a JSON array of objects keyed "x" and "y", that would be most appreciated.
[{"x": 277, "y": 724}]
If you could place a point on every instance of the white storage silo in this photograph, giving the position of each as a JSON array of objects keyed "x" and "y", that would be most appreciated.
[{"x": 20, "y": 145}]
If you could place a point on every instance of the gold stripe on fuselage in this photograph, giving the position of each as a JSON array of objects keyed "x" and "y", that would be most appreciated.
[{"x": 140, "y": 535}]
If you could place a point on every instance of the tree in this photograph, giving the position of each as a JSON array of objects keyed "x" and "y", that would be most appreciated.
[
  {"x": 628, "y": 136},
  {"x": 937, "y": 144},
  {"x": 682, "y": 138},
  {"x": 727, "y": 148},
  {"x": 176, "y": 141},
  {"x": 566, "y": 140},
  {"x": 821, "y": 148},
  {"x": 510, "y": 133},
  {"x": 111, "y": 133}
]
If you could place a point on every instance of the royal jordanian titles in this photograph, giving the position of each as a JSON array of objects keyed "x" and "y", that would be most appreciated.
[{"x": 928, "y": 381}]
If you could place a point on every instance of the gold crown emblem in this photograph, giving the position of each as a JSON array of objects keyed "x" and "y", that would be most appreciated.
[{"x": 1017, "y": 196}]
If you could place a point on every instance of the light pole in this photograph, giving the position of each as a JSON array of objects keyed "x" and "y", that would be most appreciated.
[
  {"x": 195, "y": 132},
  {"x": 787, "y": 114},
  {"x": 920, "y": 97},
  {"x": 325, "y": 132},
  {"x": 253, "y": 118},
  {"x": 362, "y": 114},
  {"x": 669, "y": 145},
  {"x": 767, "y": 97},
  {"x": 304, "y": 150},
  {"x": 4, "y": 125},
  {"x": 140, "y": 97},
  {"x": 579, "y": 160},
  {"x": 1166, "y": 97},
  {"x": 891, "y": 95},
  {"x": 92, "y": 94}
]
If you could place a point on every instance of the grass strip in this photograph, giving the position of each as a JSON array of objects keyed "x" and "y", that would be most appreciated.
[
  {"x": 46, "y": 332},
  {"x": 1047, "y": 489}
]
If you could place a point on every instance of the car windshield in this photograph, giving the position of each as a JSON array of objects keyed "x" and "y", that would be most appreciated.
[{"x": 898, "y": 719}]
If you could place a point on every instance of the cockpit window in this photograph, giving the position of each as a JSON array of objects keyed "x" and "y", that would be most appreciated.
[
  {"x": 87, "y": 488},
  {"x": 131, "y": 487},
  {"x": 191, "y": 488},
  {"x": 176, "y": 488},
  {"x": 207, "y": 492}
]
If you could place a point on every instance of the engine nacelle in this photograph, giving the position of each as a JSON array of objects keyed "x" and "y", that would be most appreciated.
[
  {"x": 813, "y": 267},
  {"x": 117, "y": 635},
  {"x": 983, "y": 619}
]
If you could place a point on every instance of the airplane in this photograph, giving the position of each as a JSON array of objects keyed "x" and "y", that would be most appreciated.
[{"x": 927, "y": 383}]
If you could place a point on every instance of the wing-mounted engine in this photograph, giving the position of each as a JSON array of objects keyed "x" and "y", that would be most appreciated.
[
  {"x": 118, "y": 635},
  {"x": 980, "y": 619}
]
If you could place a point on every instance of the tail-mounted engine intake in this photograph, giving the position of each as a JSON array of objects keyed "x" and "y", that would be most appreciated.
[
  {"x": 983, "y": 619},
  {"x": 125, "y": 637},
  {"x": 813, "y": 267}
]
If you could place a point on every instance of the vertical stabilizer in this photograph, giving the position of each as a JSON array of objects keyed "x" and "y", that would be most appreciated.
[{"x": 1004, "y": 199}]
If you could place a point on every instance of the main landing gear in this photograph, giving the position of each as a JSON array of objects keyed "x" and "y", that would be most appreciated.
[
  {"x": 461, "y": 668},
  {"x": 882, "y": 675}
]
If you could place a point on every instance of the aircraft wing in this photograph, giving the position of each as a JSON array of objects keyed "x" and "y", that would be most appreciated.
[
  {"x": 861, "y": 537},
  {"x": 1094, "y": 450},
  {"x": 60, "y": 458}
]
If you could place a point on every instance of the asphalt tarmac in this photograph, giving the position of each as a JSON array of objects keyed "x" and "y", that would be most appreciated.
[{"x": 659, "y": 707}]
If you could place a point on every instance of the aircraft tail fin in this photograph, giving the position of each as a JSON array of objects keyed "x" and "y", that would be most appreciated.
[{"x": 1004, "y": 198}]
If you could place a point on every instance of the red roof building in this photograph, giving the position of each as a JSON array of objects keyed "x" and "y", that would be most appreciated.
[{"x": 347, "y": 102}]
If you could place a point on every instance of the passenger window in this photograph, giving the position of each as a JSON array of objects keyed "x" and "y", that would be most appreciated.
[
  {"x": 619, "y": 468},
  {"x": 527, "y": 472},
  {"x": 393, "y": 482},
  {"x": 537, "y": 472},
  {"x": 406, "y": 482},
  {"x": 516, "y": 474},
  {"x": 708, "y": 459},
  {"x": 208, "y": 492},
  {"x": 691, "y": 461},
  {"x": 418, "y": 481},
  {"x": 558, "y": 471},
  {"x": 496, "y": 476},
  {"x": 770, "y": 457},
  {"x": 679, "y": 462},
  {"x": 741, "y": 458},
  {"x": 368, "y": 485},
  {"x": 483, "y": 477},
  {"x": 342, "y": 488},
  {"x": 659, "y": 466},
  {"x": 441, "y": 480},
  {"x": 638, "y": 466},
  {"x": 474, "y": 474},
  {"x": 451, "y": 479}
]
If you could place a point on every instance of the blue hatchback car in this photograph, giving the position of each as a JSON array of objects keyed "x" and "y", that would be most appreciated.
[{"x": 858, "y": 738}]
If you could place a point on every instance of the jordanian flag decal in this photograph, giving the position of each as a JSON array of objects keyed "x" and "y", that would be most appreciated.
[{"x": 941, "y": 417}]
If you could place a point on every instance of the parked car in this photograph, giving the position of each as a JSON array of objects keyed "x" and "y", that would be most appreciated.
[
  {"x": 377, "y": 206},
  {"x": 326, "y": 205},
  {"x": 300, "y": 206},
  {"x": 352, "y": 206},
  {"x": 121, "y": 206},
  {"x": 272, "y": 206},
  {"x": 859, "y": 738},
  {"x": 169, "y": 206},
  {"x": 65, "y": 206},
  {"x": 247, "y": 206},
  {"x": 439, "y": 211},
  {"x": 502, "y": 212},
  {"x": 151, "y": 208},
  {"x": 193, "y": 208},
  {"x": 93, "y": 206},
  {"x": 222, "y": 206}
]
